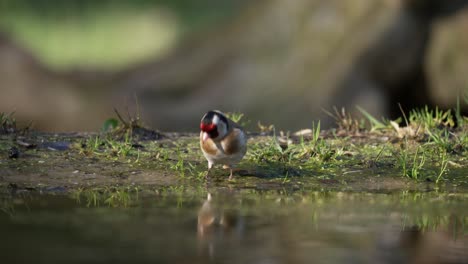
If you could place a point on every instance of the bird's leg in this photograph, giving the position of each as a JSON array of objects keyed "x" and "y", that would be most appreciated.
[
  {"x": 229, "y": 167},
  {"x": 230, "y": 176},
  {"x": 210, "y": 165}
]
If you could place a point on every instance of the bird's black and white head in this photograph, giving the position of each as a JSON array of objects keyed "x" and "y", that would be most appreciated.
[{"x": 214, "y": 125}]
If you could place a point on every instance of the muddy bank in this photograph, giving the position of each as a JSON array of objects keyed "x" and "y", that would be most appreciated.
[{"x": 360, "y": 161}]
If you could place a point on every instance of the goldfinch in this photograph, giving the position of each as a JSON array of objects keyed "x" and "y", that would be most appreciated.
[{"x": 222, "y": 140}]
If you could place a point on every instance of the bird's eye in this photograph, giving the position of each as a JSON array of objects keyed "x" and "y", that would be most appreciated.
[{"x": 213, "y": 133}]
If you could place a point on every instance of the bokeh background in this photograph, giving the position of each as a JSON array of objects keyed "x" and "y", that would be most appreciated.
[{"x": 66, "y": 64}]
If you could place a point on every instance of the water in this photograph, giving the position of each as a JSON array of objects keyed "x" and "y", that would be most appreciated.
[{"x": 235, "y": 226}]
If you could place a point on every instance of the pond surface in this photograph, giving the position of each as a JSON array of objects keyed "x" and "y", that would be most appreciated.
[{"x": 235, "y": 226}]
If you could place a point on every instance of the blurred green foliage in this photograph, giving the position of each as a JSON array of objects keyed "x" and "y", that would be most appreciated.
[
  {"x": 191, "y": 12},
  {"x": 107, "y": 33}
]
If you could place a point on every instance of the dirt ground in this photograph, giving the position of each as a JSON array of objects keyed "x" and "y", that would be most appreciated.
[{"x": 361, "y": 162}]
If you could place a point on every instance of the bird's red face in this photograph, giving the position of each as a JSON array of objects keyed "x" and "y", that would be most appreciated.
[
  {"x": 210, "y": 130},
  {"x": 213, "y": 125}
]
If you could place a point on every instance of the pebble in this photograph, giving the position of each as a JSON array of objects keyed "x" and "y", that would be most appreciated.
[{"x": 13, "y": 153}]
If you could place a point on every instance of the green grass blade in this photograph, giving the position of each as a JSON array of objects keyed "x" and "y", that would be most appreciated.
[{"x": 376, "y": 124}]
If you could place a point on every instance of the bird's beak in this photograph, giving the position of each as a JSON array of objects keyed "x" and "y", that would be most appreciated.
[{"x": 204, "y": 136}]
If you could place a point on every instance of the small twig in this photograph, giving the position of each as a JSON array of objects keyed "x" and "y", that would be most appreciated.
[
  {"x": 137, "y": 107},
  {"x": 121, "y": 118},
  {"x": 404, "y": 115}
]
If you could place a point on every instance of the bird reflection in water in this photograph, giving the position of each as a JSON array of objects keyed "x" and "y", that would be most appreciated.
[
  {"x": 219, "y": 225},
  {"x": 286, "y": 233}
]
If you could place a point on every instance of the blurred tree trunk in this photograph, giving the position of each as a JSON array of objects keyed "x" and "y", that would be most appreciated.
[
  {"x": 395, "y": 65},
  {"x": 280, "y": 62}
]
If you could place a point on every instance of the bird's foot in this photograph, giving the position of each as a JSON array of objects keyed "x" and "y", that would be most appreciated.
[{"x": 207, "y": 175}]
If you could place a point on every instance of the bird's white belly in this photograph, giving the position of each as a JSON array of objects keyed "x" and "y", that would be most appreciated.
[{"x": 222, "y": 158}]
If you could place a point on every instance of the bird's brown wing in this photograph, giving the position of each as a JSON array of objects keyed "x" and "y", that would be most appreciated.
[{"x": 233, "y": 142}]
